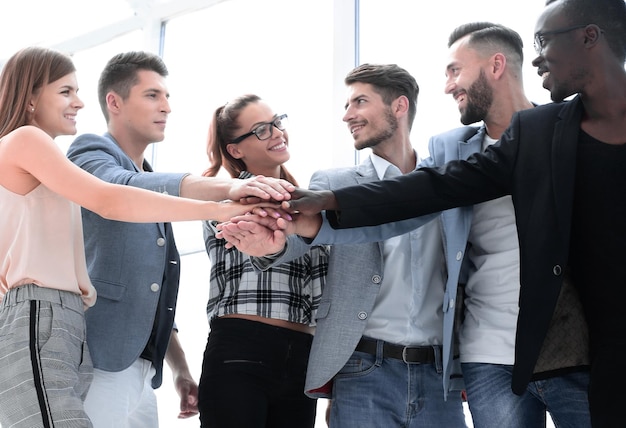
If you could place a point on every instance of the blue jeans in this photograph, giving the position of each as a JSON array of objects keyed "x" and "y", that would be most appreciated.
[
  {"x": 494, "y": 405},
  {"x": 372, "y": 391}
]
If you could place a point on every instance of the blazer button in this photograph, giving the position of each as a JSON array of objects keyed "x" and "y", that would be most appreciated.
[
  {"x": 161, "y": 242},
  {"x": 376, "y": 279},
  {"x": 557, "y": 270},
  {"x": 459, "y": 255},
  {"x": 362, "y": 315},
  {"x": 155, "y": 287},
  {"x": 451, "y": 304}
]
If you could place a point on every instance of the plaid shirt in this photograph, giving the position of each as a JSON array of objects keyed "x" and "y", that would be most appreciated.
[{"x": 290, "y": 292}]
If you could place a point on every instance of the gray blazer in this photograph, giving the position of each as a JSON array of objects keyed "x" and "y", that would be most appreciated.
[
  {"x": 126, "y": 263},
  {"x": 350, "y": 294}
]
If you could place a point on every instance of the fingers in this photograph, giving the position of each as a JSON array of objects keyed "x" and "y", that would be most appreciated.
[
  {"x": 290, "y": 206},
  {"x": 249, "y": 200},
  {"x": 279, "y": 186},
  {"x": 188, "y": 392},
  {"x": 266, "y": 221},
  {"x": 271, "y": 211},
  {"x": 265, "y": 188},
  {"x": 251, "y": 238}
]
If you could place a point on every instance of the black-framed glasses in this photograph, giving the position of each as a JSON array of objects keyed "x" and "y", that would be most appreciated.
[
  {"x": 540, "y": 41},
  {"x": 264, "y": 130}
]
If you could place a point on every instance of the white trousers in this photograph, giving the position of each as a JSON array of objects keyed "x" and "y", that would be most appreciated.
[{"x": 123, "y": 399}]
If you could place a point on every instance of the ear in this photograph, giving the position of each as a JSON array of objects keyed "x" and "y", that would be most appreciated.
[
  {"x": 32, "y": 104},
  {"x": 401, "y": 104},
  {"x": 592, "y": 35},
  {"x": 233, "y": 150},
  {"x": 114, "y": 102},
  {"x": 498, "y": 63}
]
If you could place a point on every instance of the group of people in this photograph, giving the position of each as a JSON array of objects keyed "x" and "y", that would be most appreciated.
[{"x": 488, "y": 270}]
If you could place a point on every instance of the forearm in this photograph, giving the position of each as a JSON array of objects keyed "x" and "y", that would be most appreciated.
[
  {"x": 205, "y": 188},
  {"x": 175, "y": 357},
  {"x": 186, "y": 387},
  {"x": 127, "y": 203}
]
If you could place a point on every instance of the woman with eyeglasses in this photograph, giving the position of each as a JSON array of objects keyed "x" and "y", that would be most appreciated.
[
  {"x": 261, "y": 323},
  {"x": 45, "y": 367}
]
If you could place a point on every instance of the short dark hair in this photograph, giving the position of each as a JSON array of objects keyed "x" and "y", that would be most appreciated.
[
  {"x": 487, "y": 34},
  {"x": 390, "y": 81},
  {"x": 120, "y": 74},
  {"x": 609, "y": 15}
]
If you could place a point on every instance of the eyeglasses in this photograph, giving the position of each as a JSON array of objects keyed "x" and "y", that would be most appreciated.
[
  {"x": 540, "y": 41},
  {"x": 265, "y": 130}
]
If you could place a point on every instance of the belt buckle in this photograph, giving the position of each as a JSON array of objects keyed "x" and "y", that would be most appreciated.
[{"x": 404, "y": 356}]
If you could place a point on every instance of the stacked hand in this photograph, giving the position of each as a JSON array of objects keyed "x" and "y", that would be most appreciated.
[
  {"x": 260, "y": 188},
  {"x": 264, "y": 231}
]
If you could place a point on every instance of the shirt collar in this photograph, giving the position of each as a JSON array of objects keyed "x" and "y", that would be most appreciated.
[{"x": 381, "y": 165}]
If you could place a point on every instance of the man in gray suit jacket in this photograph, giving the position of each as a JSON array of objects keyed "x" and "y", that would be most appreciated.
[
  {"x": 135, "y": 266},
  {"x": 377, "y": 350}
]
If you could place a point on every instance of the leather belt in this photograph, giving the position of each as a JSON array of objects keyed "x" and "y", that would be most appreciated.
[{"x": 408, "y": 354}]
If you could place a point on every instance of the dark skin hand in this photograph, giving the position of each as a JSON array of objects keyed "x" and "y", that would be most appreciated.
[{"x": 310, "y": 202}]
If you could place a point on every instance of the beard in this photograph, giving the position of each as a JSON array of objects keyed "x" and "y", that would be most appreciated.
[
  {"x": 382, "y": 135},
  {"x": 479, "y": 100}
]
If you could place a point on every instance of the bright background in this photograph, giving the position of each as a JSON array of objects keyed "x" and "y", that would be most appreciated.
[{"x": 293, "y": 53}]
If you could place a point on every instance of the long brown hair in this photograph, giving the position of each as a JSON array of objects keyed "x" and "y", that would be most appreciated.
[
  {"x": 222, "y": 130},
  {"x": 24, "y": 74}
]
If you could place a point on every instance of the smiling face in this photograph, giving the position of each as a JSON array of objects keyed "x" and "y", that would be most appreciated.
[
  {"x": 467, "y": 82},
  {"x": 56, "y": 106},
  {"x": 143, "y": 114},
  {"x": 369, "y": 119},
  {"x": 561, "y": 62},
  {"x": 261, "y": 157}
]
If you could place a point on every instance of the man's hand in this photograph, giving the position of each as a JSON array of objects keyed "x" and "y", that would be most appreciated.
[
  {"x": 187, "y": 390},
  {"x": 260, "y": 187},
  {"x": 310, "y": 202},
  {"x": 255, "y": 235},
  {"x": 185, "y": 386}
]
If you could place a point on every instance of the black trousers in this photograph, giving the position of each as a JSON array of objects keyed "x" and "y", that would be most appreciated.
[
  {"x": 607, "y": 393},
  {"x": 253, "y": 376}
]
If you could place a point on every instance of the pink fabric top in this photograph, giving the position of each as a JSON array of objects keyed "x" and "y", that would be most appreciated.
[{"x": 41, "y": 242}]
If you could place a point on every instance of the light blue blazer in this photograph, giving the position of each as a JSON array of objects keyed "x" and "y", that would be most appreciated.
[{"x": 126, "y": 263}]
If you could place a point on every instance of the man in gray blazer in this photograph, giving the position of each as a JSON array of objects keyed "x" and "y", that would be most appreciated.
[
  {"x": 135, "y": 267},
  {"x": 377, "y": 350}
]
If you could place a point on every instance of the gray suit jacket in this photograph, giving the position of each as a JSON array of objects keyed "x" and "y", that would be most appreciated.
[
  {"x": 127, "y": 263},
  {"x": 350, "y": 294}
]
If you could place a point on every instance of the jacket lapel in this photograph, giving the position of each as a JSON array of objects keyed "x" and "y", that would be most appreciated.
[
  {"x": 365, "y": 172},
  {"x": 472, "y": 145},
  {"x": 564, "y": 145}
]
